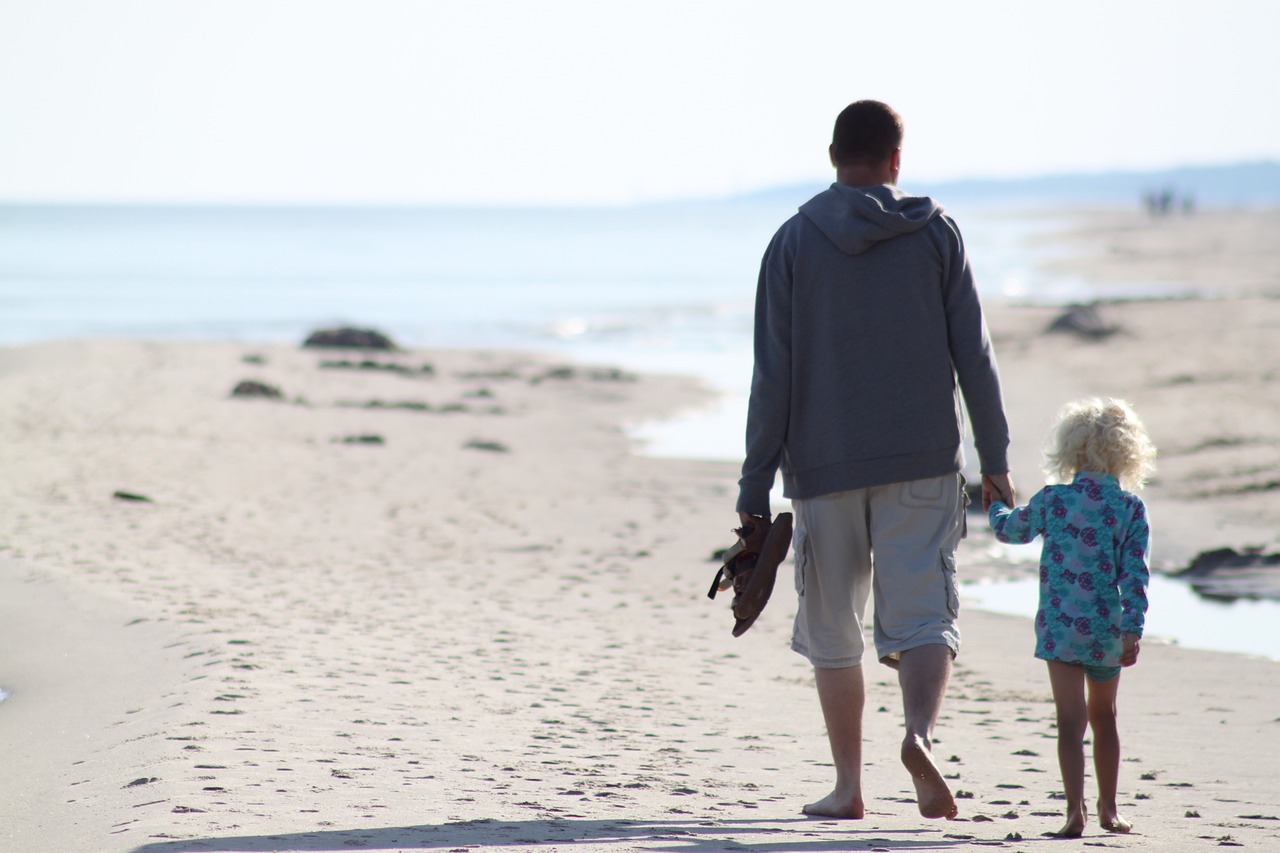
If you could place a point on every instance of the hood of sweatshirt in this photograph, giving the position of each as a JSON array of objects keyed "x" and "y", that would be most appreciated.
[{"x": 857, "y": 218}]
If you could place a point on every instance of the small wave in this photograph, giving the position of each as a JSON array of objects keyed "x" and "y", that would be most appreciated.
[{"x": 4, "y": 694}]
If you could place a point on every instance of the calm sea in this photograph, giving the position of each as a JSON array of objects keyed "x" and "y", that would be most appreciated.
[
  {"x": 664, "y": 288},
  {"x": 676, "y": 277}
]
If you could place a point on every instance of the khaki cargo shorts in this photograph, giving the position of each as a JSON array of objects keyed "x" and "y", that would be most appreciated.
[{"x": 898, "y": 541}]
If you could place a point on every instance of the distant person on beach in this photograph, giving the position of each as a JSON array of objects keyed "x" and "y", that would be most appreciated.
[
  {"x": 867, "y": 327},
  {"x": 1093, "y": 585}
]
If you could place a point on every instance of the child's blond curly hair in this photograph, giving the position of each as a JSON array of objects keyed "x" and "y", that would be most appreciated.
[{"x": 1100, "y": 434}]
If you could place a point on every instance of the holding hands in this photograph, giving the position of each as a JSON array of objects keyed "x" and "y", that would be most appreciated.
[
  {"x": 997, "y": 487},
  {"x": 1129, "y": 656}
]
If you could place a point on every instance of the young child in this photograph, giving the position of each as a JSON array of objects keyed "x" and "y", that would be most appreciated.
[{"x": 1093, "y": 585}]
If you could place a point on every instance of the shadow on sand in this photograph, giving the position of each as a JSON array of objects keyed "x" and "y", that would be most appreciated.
[{"x": 800, "y": 834}]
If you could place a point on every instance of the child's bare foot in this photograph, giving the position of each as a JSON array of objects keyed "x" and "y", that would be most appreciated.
[
  {"x": 1074, "y": 827},
  {"x": 1110, "y": 820},
  {"x": 932, "y": 794},
  {"x": 847, "y": 806}
]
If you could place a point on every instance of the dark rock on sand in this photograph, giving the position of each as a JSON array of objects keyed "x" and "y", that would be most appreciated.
[
  {"x": 1083, "y": 321},
  {"x": 253, "y": 388},
  {"x": 1225, "y": 574},
  {"x": 131, "y": 496},
  {"x": 348, "y": 337}
]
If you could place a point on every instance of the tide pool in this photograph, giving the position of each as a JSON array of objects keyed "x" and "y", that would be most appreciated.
[{"x": 1177, "y": 614}]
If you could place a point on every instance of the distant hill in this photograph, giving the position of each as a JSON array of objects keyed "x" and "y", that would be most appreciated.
[{"x": 1242, "y": 184}]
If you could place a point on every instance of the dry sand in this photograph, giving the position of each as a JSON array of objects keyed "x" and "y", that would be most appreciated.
[{"x": 489, "y": 631}]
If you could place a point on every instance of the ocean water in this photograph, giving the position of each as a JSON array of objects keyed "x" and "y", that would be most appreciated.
[
  {"x": 657, "y": 279},
  {"x": 438, "y": 278},
  {"x": 662, "y": 288}
]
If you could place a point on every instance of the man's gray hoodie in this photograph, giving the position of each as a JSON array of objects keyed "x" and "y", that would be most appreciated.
[{"x": 866, "y": 317}]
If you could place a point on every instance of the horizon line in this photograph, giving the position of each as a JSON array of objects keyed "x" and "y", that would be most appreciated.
[{"x": 728, "y": 198}]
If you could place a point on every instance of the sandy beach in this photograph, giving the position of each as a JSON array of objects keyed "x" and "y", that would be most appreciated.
[{"x": 440, "y": 601}]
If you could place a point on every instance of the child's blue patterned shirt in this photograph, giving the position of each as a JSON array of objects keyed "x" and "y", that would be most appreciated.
[{"x": 1093, "y": 567}]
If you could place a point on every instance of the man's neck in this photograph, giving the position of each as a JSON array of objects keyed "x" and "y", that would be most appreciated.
[{"x": 862, "y": 175}]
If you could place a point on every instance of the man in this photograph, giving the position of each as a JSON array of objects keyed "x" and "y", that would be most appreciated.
[{"x": 866, "y": 320}]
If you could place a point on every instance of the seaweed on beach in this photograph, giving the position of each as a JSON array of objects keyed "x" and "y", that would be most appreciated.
[
  {"x": 363, "y": 438},
  {"x": 594, "y": 374},
  {"x": 407, "y": 405},
  {"x": 384, "y": 366},
  {"x": 491, "y": 446}
]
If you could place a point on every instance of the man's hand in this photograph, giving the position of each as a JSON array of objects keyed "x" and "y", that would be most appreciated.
[
  {"x": 997, "y": 487},
  {"x": 1132, "y": 646},
  {"x": 746, "y": 521}
]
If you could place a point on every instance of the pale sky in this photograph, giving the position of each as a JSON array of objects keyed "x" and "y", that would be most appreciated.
[{"x": 486, "y": 102}]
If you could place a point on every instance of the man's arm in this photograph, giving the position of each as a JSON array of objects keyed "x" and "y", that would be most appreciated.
[
  {"x": 974, "y": 361},
  {"x": 769, "y": 409}
]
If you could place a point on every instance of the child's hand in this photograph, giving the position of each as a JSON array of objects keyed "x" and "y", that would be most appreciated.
[
  {"x": 1129, "y": 656},
  {"x": 997, "y": 487}
]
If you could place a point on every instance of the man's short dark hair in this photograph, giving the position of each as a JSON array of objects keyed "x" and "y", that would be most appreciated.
[{"x": 866, "y": 132}]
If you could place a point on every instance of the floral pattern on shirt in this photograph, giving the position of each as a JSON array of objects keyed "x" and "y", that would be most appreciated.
[{"x": 1093, "y": 565}]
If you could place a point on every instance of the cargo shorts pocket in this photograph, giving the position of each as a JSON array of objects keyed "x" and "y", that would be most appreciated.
[
  {"x": 949, "y": 580},
  {"x": 800, "y": 545},
  {"x": 923, "y": 494}
]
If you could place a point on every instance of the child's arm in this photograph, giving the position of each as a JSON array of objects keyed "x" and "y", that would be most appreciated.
[
  {"x": 1018, "y": 525},
  {"x": 1133, "y": 575},
  {"x": 1129, "y": 653}
]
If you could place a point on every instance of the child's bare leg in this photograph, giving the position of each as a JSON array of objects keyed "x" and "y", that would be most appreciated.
[
  {"x": 1106, "y": 752},
  {"x": 842, "y": 695},
  {"x": 1073, "y": 718}
]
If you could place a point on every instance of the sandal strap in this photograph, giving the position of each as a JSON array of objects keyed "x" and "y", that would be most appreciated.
[{"x": 715, "y": 584}]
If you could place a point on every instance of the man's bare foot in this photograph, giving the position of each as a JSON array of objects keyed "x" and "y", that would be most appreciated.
[
  {"x": 1074, "y": 827},
  {"x": 837, "y": 804},
  {"x": 1110, "y": 820},
  {"x": 932, "y": 794}
]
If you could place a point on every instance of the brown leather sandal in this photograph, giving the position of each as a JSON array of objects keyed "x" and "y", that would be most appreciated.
[{"x": 752, "y": 567}]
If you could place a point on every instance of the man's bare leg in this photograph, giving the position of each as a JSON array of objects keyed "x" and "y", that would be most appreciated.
[
  {"x": 842, "y": 694},
  {"x": 922, "y": 674}
]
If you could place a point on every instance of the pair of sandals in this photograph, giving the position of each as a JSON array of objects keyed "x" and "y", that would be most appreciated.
[{"x": 751, "y": 566}]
